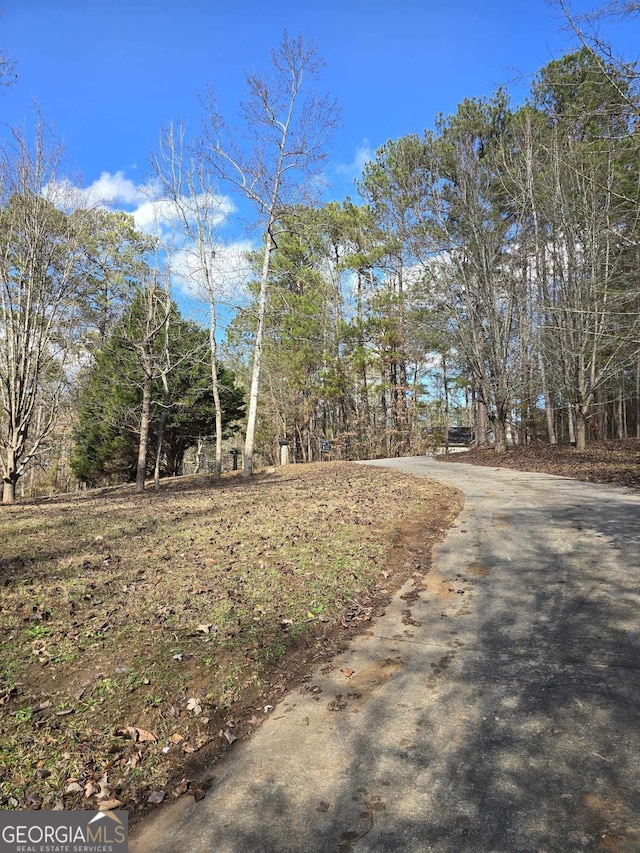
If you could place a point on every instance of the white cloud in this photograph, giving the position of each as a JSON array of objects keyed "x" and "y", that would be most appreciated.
[
  {"x": 113, "y": 190},
  {"x": 364, "y": 154},
  {"x": 229, "y": 268},
  {"x": 152, "y": 213},
  {"x": 158, "y": 215},
  {"x": 165, "y": 218}
]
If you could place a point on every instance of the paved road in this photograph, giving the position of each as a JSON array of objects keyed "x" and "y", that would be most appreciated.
[{"x": 494, "y": 709}]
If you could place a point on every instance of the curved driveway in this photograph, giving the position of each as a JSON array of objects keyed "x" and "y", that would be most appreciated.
[{"x": 495, "y": 708}]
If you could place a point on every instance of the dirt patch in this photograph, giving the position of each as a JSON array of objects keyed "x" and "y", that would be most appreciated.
[
  {"x": 140, "y": 636},
  {"x": 439, "y": 586},
  {"x": 368, "y": 679},
  {"x": 612, "y": 824},
  {"x": 478, "y": 570},
  {"x": 439, "y": 667}
]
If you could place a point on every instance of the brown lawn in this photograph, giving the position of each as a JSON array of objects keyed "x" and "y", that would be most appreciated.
[{"x": 141, "y": 634}]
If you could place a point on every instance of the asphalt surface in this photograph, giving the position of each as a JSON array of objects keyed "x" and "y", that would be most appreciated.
[{"x": 495, "y": 708}]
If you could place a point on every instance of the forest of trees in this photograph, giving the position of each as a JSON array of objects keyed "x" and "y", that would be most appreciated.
[
  {"x": 102, "y": 380},
  {"x": 487, "y": 276}
]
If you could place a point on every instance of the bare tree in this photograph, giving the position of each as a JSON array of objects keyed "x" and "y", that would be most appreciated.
[
  {"x": 164, "y": 367},
  {"x": 577, "y": 192},
  {"x": 199, "y": 210},
  {"x": 40, "y": 279},
  {"x": 145, "y": 349},
  {"x": 8, "y": 74},
  {"x": 272, "y": 161},
  {"x": 593, "y": 319}
]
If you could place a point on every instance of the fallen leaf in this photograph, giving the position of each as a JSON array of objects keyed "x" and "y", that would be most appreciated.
[
  {"x": 34, "y": 801},
  {"x": 156, "y": 797},
  {"x": 10, "y": 695},
  {"x": 73, "y": 788},
  {"x": 89, "y": 789},
  {"x": 137, "y": 735},
  {"x": 204, "y": 629},
  {"x": 108, "y": 805},
  {"x": 134, "y": 759},
  {"x": 176, "y": 737},
  {"x": 347, "y": 672},
  {"x": 322, "y": 806},
  {"x": 180, "y": 789},
  {"x": 198, "y": 794},
  {"x": 104, "y": 793},
  {"x": 146, "y": 737},
  {"x": 229, "y": 736},
  {"x": 128, "y": 731},
  {"x": 39, "y": 613},
  {"x": 194, "y": 705}
]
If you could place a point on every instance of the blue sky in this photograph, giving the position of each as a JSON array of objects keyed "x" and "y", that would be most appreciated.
[{"x": 109, "y": 73}]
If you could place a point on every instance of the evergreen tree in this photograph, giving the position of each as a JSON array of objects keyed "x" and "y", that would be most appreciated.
[{"x": 109, "y": 402}]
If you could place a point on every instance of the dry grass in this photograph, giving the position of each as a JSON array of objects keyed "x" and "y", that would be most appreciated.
[{"x": 140, "y": 634}]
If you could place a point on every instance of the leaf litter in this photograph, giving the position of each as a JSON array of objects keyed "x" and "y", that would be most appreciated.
[
  {"x": 608, "y": 461},
  {"x": 162, "y": 620}
]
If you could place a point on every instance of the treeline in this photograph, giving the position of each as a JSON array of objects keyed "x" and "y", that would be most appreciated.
[
  {"x": 489, "y": 279},
  {"x": 101, "y": 380}
]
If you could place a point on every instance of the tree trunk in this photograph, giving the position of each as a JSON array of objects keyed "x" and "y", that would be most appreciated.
[
  {"x": 638, "y": 399},
  {"x": 384, "y": 413},
  {"x": 9, "y": 492},
  {"x": 548, "y": 407},
  {"x": 500, "y": 433},
  {"x": 581, "y": 429},
  {"x": 620, "y": 413},
  {"x": 571, "y": 424},
  {"x": 216, "y": 389},
  {"x": 249, "y": 443},
  {"x": 445, "y": 388},
  {"x": 481, "y": 423},
  {"x": 145, "y": 420},
  {"x": 156, "y": 468},
  {"x": 551, "y": 423}
]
